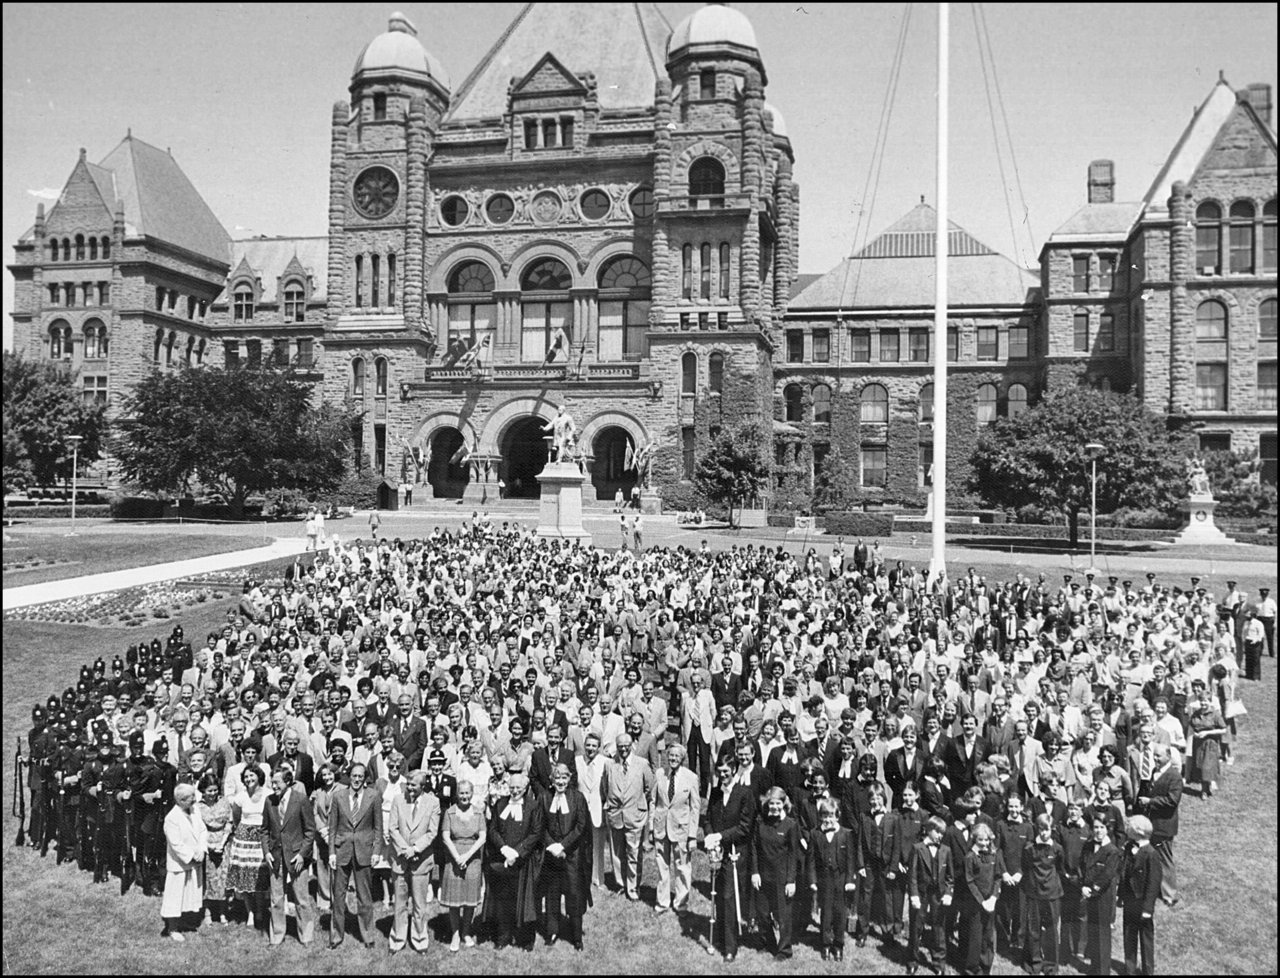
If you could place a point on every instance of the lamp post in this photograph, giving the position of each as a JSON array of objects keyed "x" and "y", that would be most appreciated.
[{"x": 1094, "y": 450}]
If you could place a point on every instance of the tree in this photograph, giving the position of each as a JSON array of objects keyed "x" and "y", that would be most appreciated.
[
  {"x": 43, "y": 405},
  {"x": 732, "y": 470},
  {"x": 1039, "y": 456},
  {"x": 1234, "y": 479},
  {"x": 235, "y": 431}
]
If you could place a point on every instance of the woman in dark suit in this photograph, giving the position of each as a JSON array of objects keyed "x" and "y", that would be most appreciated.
[
  {"x": 732, "y": 816},
  {"x": 566, "y": 859},
  {"x": 776, "y": 861}
]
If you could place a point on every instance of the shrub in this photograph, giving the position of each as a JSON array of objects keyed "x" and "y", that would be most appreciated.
[
  {"x": 1142, "y": 519},
  {"x": 56, "y": 512},
  {"x": 858, "y": 524},
  {"x": 358, "y": 490},
  {"x": 683, "y": 496},
  {"x": 159, "y": 613},
  {"x": 136, "y": 508},
  {"x": 791, "y": 498}
]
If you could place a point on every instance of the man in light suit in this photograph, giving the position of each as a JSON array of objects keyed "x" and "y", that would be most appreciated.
[
  {"x": 291, "y": 835},
  {"x": 355, "y": 831},
  {"x": 674, "y": 828},
  {"x": 697, "y": 719},
  {"x": 1023, "y": 754},
  {"x": 655, "y": 710},
  {"x": 415, "y": 820},
  {"x": 590, "y": 770},
  {"x": 626, "y": 789}
]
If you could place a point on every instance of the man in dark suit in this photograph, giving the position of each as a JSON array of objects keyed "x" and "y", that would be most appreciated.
[
  {"x": 355, "y": 831},
  {"x": 383, "y": 711},
  {"x": 542, "y": 766},
  {"x": 410, "y": 733},
  {"x": 732, "y": 817},
  {"x": 904, "y": 765},
  {"x": 566, "y": 859},
  {"x": 999, "y": 730},
  {"x": 291, "y": 834},
  {"x": 726, "y": 686},
  {"x": 930, "y": 879},
  {"x": 304, "y": 772},
  {"x": 1159, "y": 801},
  {"x": 963, "y": 755},
  {"x": 1139, "y": 887}
]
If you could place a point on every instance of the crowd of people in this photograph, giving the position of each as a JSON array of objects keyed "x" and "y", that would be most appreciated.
[{"x": 501, "y": 727}]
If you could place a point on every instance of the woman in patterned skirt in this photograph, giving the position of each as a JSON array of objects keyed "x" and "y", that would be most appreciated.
[
  {"x": 247, "y": 871},
  {"x": 463, "y": 832},
  {"x": 216, "y": 812}
]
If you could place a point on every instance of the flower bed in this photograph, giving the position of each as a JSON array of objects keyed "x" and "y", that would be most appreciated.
[{"x": 135, "y": 606}]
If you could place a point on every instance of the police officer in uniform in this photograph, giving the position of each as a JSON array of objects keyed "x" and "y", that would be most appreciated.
[
  {"x": 41, "y": 743},
  {"x": 145, "y": 785},
  {"x": 67, "y": 762}
]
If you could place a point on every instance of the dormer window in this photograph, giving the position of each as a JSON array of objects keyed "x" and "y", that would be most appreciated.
[
  {"x": 295, "y": 305},
  {"x": 242, "y": 304}
]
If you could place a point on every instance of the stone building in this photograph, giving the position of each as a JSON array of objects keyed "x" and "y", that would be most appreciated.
[{"x": 602, "y": 214}]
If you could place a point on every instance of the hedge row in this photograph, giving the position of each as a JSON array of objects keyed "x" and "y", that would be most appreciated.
[
  {"x": 60, "y": 512},
  {"x": 1045, "y": 531},
  {"x": 857, "y": 524}
]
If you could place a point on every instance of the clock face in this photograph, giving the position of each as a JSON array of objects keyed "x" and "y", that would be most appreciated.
[{"x": 376, "y": 191}]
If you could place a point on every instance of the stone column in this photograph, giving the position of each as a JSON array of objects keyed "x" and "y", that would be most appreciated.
[
  {"x": 338, "y": 210},
  {"x": 752, "y": 163},
  {"x": 1182, "y": 338},
  {"x": 415, "y": 208}
]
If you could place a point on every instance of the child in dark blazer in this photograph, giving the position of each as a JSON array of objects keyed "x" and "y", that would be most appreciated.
[
  {"x": 1139, "y": 888},
  {"x": 835, "y": 861},
  {"x": 930, "y": 880}
]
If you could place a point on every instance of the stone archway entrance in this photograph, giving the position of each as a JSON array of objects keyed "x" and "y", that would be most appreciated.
[
  {"x": 608, "y": 471},
  {"x": 524, "y": 455},
  {"x": 448, "y": 481}
]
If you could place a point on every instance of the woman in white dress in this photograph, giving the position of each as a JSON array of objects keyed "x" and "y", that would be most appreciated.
[
  {"x": 186, "y": 842},
  {"x": 390, "y": 786}
]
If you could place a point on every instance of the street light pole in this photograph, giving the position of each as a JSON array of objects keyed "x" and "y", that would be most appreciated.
[
  {"x": 75, "y": 477},
  {"x": 1093, "y": 449}
]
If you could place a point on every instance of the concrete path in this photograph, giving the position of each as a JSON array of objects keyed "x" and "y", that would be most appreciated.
[{"x": 31, "y": 594}]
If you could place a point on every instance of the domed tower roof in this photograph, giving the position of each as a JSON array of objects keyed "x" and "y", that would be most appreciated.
[
  {"x": 399, "y": 51},
  {"x": 716, "y": 24}
]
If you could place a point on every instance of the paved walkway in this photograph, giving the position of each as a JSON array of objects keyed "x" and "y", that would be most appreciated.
[{"x": 30, "y": 594}]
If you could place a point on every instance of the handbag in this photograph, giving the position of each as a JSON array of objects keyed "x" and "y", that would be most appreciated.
[{"x": 1235, "y": 708}]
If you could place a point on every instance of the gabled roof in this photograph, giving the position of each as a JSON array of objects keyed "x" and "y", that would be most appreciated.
[
  {"x": 1198, "y": 140},
  {"x": 159, "y": 200},
  {"x": 624, "y": 44},
  {"x": 896, "y": 271},
  {"x": 270, "y": 259}
]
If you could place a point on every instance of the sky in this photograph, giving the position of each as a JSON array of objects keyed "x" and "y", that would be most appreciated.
[{"x": 241, "y": 94}]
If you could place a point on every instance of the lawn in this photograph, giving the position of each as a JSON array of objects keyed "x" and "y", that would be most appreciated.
[
  {"x": 57, "y": 921},
  {"x": 33, "y": 555}
]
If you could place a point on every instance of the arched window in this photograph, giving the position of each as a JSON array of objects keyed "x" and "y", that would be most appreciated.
[
  {"x": 357, "y": 378},
  {"x": 715, "y": 373},
  {"x": 822, "y": 404},
  {"x": 793, "y": 403},
  {"x": 380, "y": 377},
  {"x": 985, "y": 401},
  {"x": 391, "y": 279},
  {"x": 724, "y": 270},
  {"x": 471, "y": 276},
  {"x": 60, "y": 340},
  {"x": 375, "y": 275},
  {"x": 79, "y": 247},
  {"x": 1017, "y": 400},
  {"x": 472, "y": 311},
  {"x": 1211, "y": 356},
  {"x": 1269, "y": 237},
  {"x": 1208, "y": 238},
  {"x": 95, "y": 340},
  {"x": 547, "y": 319},
  {"x": 706, "y": 178},
  {"x": 926, "y": 402},
  {"x": 106, "y": 247},
  {"x": 359, "y": 281},
  {"x": 625, "y": 284},
  {"x": 874, "y": 402},
  {"x": 295, "y": 304},
  {"x": 66, "y": 249},
  {"x": 242, "y": 304},
  {"x": 704, "y": 272},
  {"x": 689, "y": 374},
  {"x": 686, "y": 271},
  {"x": 1242, "y": 236},
  {"x": 53, "y": 249},
  {"x": 155, "y": 356},
  {"x": 191, "y": 346},
  {"x": 93, "y": 249},
  {"x": 168, "y": 348},
  {"x": 199, "y": 352}
]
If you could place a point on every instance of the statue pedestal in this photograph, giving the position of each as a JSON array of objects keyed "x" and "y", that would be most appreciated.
[
  {"x": 1201, "y": 528},
  {"x": 650, "y": 502},
  {"x": 560, "y": 512}
]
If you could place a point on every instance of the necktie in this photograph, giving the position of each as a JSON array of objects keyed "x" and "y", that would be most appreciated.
[
  {"x": 1146, "y": 764},
  {"x": 355, "y": 803},
  {"x": 671, "y": 788}
]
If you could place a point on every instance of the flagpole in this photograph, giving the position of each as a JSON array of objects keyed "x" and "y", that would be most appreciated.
[{"x": 938, "y": 565}]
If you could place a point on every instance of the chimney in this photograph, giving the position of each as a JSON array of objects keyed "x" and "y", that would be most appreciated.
[
  {"x": 1258, "y": 95},
  {"x": 1102, "y": 182}
]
